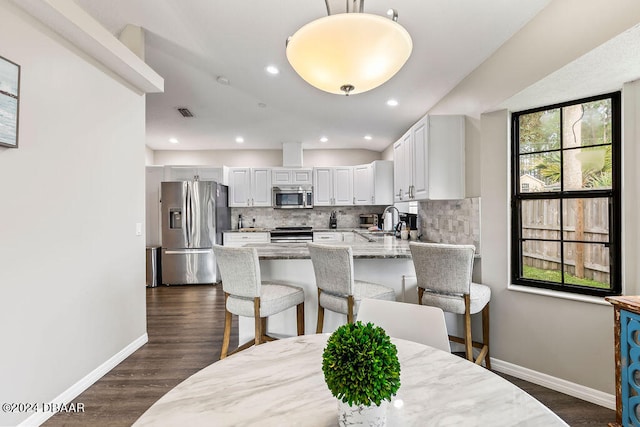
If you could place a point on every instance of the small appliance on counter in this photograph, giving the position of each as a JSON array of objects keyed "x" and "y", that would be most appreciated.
[
  {"x": 369, "y": 220},
  {"x": 410, "y": 219},
  {"x": 400, "y": 228},
  {"x": 333, "y": 220}
]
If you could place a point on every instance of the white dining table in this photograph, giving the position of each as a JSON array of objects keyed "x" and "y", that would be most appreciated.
[{"x": 281, "y": 383}]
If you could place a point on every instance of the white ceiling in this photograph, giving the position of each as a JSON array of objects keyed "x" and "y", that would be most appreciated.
[{"x": 192, "y": 42}]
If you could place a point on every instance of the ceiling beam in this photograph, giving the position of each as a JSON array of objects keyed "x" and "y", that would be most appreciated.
[{"x": 70, "y": 21}]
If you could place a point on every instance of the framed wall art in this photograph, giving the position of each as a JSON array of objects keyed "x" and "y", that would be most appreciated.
[{"x": 9, "y": 102}]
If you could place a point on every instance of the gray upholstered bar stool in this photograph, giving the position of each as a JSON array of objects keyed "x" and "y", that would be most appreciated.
[
  {"x": 444, "y": 280},
  {"x": 338, "y": 291},
  {"x": 246, "y": 295}
]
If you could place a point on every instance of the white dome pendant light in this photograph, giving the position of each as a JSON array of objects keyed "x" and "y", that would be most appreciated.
[{"x": 349, "y": 53}]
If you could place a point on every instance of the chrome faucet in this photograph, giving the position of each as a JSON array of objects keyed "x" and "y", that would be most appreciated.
[{"x": 393, "y": 226}]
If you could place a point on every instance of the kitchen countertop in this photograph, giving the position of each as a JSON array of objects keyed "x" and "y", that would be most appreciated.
[
  {"x": 338, "y": 230},
  {"x": 378, "y": 248},
  {"x": 360, "y": 231},
  {"x": 379, "y": 245}
]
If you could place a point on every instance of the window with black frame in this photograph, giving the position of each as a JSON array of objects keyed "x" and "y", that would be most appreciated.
[{"x": 566, "y": 196}]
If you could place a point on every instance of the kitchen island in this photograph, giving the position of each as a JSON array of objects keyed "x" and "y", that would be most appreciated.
[{"x": 378, "y": 258}]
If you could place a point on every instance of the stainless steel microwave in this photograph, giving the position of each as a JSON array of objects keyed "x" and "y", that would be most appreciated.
[{"x": 292, "y": 197}]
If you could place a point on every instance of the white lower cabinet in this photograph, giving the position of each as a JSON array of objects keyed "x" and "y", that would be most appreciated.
[
  {"x": 327, "y": 236},
  {"x": 237, "y": 239},
  {"x": 349, "y": 237}
]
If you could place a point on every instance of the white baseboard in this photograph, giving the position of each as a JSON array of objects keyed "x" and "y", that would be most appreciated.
[
  {"x": 74, "y": 391},
  {"x": 563, "y": 386}
]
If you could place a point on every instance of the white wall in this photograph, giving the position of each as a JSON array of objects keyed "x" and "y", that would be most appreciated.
[
  {"x": 219, "y": 157},
  {"x": 387, "y": 154},
  {"x": 149, "y": 156},
  {"x": 571, "y": 340},
  {"x": 340, "y": 157},
  {"x": 630, "y": 188},
  {"x": 564, "y": 341},
  {"x": 71, "y": 268},
  {"x": 250, "y": 158}
]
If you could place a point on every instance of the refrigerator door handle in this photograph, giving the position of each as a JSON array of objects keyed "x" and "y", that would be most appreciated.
[
  {"x": 187, "y": 210},
  {"x": 188, "y": 251}
]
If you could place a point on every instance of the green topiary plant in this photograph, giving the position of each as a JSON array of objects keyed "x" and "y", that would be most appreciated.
[{"x": 360, "y": 364}]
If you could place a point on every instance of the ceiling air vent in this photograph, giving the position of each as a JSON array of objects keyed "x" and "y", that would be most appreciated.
[{"x": 185, "y": 112}]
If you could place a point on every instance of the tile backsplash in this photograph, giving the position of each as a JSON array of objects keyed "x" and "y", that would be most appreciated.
[
  {"x": 318, "y": 217},
  {"x": 447, "y": 221},
  {"x": 451, "y": 221}
]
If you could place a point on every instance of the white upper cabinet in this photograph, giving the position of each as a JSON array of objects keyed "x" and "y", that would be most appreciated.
[
  {"x": 190, "y": 173},
  {"x": 403, "y": 167},
  {"x": 373, "y": 183},
  {"x": 420, "y": 151},
  {"x": 239, "y": 187},
  {"x": 446, "y": 157},
  {"x": 343, "y": 186},
  {"x": 429, "y": 160},
  {"x": 363, "y": 184},
  {"x": 292, "y": 177},
  {"x": 261, "y": 186},
  {"x": 249, "y": 187},
  {"x": 333, "y": 186},
  {"x": 302, "y": 176},
  {"x": 398, "y": 172},
  {"x": 323, "y": 187}
]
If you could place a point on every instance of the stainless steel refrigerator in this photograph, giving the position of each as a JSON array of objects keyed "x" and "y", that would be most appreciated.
[{"x": 194, "y": 214}]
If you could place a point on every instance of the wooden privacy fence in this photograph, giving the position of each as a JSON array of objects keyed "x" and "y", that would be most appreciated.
[{"x": 541, "y": 220}]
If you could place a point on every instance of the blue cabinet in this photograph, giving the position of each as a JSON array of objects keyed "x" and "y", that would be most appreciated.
[{"x": 627, "y": 346}]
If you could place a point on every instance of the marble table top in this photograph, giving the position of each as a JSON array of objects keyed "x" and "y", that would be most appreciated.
[{"x": 281, "y": 384}]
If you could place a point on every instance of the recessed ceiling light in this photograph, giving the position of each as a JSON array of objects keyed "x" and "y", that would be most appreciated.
[
  {"x": 392, "y": 103},
  {"x": 368, "y": 137},
  {"x": 173, "y": 140},
  {"x": 239, "y": 139},
  {"x": 272, "y": 69},
  {"x": 324, "y": 139}
]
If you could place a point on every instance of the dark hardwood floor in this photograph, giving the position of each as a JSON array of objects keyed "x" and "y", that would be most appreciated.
[{"x": 185, "y": 325}]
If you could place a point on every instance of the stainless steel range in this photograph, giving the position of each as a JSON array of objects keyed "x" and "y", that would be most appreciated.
[{"x": 291, "y": 235}]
